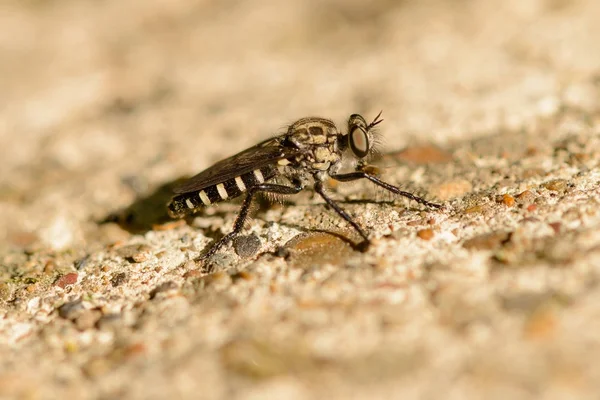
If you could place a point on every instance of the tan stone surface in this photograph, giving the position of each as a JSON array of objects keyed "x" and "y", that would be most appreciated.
[{"x": 491, "y": 106}]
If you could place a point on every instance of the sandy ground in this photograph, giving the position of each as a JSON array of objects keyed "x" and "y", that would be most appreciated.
[{"x": 490, "y": 107}]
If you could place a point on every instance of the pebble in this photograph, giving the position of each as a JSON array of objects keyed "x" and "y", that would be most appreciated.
[
  {"x": 82, "y": 262},
  {"x": 318, "y": 248},
  {"x": 426, "y": 234},
  {"x": 556, "y": 185},
  {"x": 506, "y": 199},
  {"x": 32, "y": 288},
  {"x": 71, "y": 309},
  {"x": 246, "y": 245},
  {"x": 118, "y": 279},
  {"x": 49, "y": 267},
  {"x": 474, "y": 210},
  {"x": 556, "y": 226},
  {"x": 220, "y": 261},
  {"x": 65, "y": 280},
  {"x": 6, "y": 291},
  {"x": 525, "y": 197}
]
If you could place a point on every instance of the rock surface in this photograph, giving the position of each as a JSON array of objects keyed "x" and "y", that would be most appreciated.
[{"x": 492, "y": 108}]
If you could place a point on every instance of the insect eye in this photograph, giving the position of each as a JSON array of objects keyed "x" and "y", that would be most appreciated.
[
  {"x": 359, "y": 142},
  {"x": 355, "y": 121}
]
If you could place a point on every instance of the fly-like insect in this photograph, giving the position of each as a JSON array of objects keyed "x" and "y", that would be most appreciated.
[{"x": 309, "y": 152}]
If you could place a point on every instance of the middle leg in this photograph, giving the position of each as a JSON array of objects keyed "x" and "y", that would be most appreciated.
[
  {"x": 244, "y": 211},
  {"x": 342, "y": 213}
]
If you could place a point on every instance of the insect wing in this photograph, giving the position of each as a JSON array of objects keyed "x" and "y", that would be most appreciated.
[{"x": 267, "y": 152}]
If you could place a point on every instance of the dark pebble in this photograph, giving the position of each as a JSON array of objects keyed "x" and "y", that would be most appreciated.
[
  {"x": 246, "y": 246},
  {"x": 118, "y": 279},
  {"x": 71, "y": 309},
  {"x": 82, "y": 262}
]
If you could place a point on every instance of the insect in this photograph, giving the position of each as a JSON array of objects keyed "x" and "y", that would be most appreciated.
[{"x": 310, "y": 152}]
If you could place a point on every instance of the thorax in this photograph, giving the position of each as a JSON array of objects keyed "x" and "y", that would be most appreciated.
[{"x": 318, "y": 138}]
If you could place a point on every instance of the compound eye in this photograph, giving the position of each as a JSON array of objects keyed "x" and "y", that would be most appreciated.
[{"x": 359, "y": 142}]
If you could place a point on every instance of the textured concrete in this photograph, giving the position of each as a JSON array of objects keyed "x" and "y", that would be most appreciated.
[{"x": 492, "y": 108}]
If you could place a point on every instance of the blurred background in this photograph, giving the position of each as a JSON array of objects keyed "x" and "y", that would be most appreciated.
[{"x": 103, "y": 102}]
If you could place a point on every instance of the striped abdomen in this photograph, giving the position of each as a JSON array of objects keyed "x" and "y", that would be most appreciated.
[{"x": 187, "y": 202}]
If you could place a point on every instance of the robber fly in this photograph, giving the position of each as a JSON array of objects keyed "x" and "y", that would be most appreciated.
[{"x": 309, "y": 152}]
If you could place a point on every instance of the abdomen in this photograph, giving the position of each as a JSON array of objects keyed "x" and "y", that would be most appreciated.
[{"x": 187, "y": 203}]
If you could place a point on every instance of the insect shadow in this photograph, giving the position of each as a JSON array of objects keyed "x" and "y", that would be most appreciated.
[
  {"x": 146, "y": 212},
  {"x": 150, "y": 210}
]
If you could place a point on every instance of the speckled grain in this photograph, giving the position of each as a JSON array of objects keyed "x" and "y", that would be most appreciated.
[{"x": 491, "y": 108}]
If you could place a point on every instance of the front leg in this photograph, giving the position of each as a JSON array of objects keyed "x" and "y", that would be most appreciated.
[{"x": 353, "y": 176}]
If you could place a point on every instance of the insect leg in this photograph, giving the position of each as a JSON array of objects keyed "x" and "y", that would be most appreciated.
[
  {"x": 342, "y": 213},
  {"x": 352, "y": 176},
  {"x": 243, "y": 214}
]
